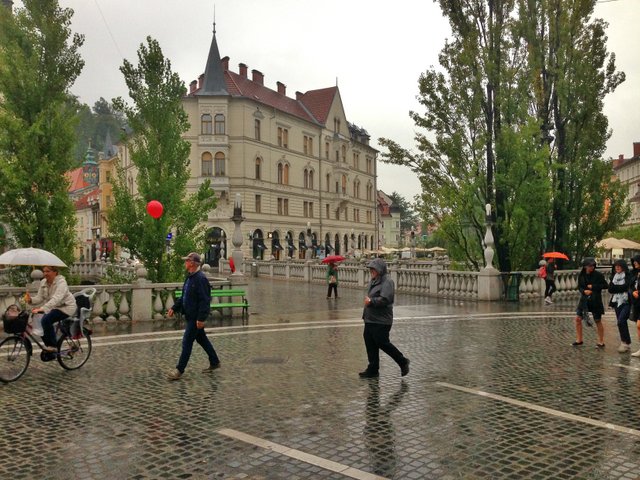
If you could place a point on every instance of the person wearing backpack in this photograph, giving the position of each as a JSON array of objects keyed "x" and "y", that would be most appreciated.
[{"x": 195, "y": 305}]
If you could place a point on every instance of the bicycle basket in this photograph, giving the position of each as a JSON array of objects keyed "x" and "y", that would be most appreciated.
[{"x": 15, "y": 321}]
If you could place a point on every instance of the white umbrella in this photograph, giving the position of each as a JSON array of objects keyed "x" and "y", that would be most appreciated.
[{"x": 30, "y": 256}]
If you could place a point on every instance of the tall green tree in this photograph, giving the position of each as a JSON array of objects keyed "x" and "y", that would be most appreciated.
[
  {"x": 160, "y": 158},
  {"x": 486, "y": 141},
  {"x": 39, "y": 62}
]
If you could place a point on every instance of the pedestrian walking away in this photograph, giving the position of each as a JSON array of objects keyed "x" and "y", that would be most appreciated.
[
  {"x": 332, "y": 279},
  {"x": 590, "y": 283},
  {"x": 634, "y": 297},
  {"x": 194, "y": 305},
  {"x": 549, "y": 280},
  {"x": 378, "y": 319},
  {"x": 619, "y": 290}
]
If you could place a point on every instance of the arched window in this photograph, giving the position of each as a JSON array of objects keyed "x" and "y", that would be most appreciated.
[
  {"x": 219, "y": 165},
  {"x": 344, "y": 153},
  {"x": 328, "y": 182},
  {"x": 258, "y": 168},
  {"x": 311, "y": 179},
  {"x": 285, "y": 176},
  {"x": 369, "y": 191},
  {"x": 206, "y": 124},
  {"x": 206, "y": 167},
  {"x": 344, "y": 184},
  {"x": 219, "y": 119},
  {"x": 306, "y": 178},
  {"x": 356, "y": 188},
  {"x": 280, "y": 173}
]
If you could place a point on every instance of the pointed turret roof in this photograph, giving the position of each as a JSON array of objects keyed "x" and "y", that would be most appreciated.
[
  {"x": 109, "y": 149},
  {"x": 214, "y": 83}
]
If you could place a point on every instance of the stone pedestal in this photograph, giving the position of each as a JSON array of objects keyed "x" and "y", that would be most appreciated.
[
  {"x": 141, "y": 297},
  {"x": 489, "y": 284}
]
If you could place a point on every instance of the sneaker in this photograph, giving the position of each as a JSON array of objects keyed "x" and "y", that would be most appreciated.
[
  {"x": 49, "y": 349},
  {"x": 211, "y": 368},
  {"x": 624, "y": 348},
  {"x": 636, "y": 354},
  {"x": 404, "y": 369},
  {"x": 368, "y": 374},
  {"x": 174, "y": 375},
  {"x": 577, "y": 344},
  {"x": 547, "y": 300}
]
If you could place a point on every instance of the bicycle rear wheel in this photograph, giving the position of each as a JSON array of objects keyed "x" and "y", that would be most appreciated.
[
  {"x": 74, "y": 352},
  {"x": 14, "y": 358}
]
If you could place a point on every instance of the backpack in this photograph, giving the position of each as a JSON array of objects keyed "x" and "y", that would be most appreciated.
[{"x": 542, "y": 272}]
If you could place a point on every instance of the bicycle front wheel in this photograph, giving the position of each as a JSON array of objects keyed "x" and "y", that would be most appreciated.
[
  {"x": 14, "y": 358},
  {"x": 74, "y": 352}
]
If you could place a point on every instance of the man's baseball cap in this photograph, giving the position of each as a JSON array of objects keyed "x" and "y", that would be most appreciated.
[{"x": 194, "y": 257}]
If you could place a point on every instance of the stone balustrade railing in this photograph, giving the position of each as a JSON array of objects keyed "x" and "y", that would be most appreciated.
[{"x": 140, "y": 300}]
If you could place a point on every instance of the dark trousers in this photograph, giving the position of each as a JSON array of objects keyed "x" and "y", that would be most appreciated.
[
  {"x": 376, "y": 338},
  {"x": 622, "y": 315},
  {"x": 191, "y": 333},
  {"x": 49, "y": 337},
  {"x": 550, "y": 287},
  {"x": 334, "y": 287}
]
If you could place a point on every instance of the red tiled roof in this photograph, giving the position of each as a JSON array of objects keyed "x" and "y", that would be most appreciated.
[
  {"x": 319, "y": 102},
  {"x": 83, "y": 201},
  {"x": 313, "y": 106},
  {"x": 76, "y": 180}
]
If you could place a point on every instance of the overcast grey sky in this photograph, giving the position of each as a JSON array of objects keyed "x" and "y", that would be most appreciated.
[{"x": 376, "y": 49}]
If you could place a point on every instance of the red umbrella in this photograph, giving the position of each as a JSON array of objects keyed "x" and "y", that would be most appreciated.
[
  {"x": 555, "y": 255},
  {"x": 333, "y": 259}
]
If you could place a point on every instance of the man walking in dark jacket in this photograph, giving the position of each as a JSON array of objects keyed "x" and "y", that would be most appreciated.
[
  {"x": 194, "y": 304},
  {"x": 378, "y": 318}
]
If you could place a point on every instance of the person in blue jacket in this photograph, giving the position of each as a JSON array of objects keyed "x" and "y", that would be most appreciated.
[{"x": 194, "y": 305}]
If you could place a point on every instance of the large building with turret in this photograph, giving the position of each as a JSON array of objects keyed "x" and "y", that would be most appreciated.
[{"x": 295, "y": 162}]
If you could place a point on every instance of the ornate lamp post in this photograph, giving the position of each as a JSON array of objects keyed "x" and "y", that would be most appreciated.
[{"x": 237, "y": 219}]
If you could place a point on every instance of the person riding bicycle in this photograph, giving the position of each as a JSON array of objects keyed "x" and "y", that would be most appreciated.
[{"x": 54, "y": 300}]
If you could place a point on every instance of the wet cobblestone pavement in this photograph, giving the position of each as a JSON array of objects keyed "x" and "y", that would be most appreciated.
[{"x": 495, "y": 391}]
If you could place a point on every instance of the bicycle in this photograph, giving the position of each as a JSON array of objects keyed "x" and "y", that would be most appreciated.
[{"x": 73, "y": 347}]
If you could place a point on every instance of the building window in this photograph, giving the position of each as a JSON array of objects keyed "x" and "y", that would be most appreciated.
[
  {"x": 285, "y": 206},
  {"x": 326, "y": 150},
  {"x": 344, "y": 154},
  {"x": 311, "y": 209},
  {"x": 207, "y": 165},
  {"x": 257, "y": 128},
  {"x": 280, "y": 173},
  {"x": 279, "y": 206},
  {"x": 219, "y": 119},
  {"x": 258, "y": 168},
  {"x": 328, "y": 211},
  {"x": 305, "y": 145},
  {"x": 206, "y": 124},
  {"x": 283, "y": 137},
  {"x": 369, "y": 191},
  {"x": 328, "y": 184},
  {"x": 108, "y": 179},
  {"x": 356, "y": 189},
  {"x": 285, "y": 175},
  {"x": 337, "y": 214},
  {"x": 337, "y": 155},
  {"x": 306, "y": 178},
  {"x": 344, "y": 184},
  {"x": 369, "y": 164},
  {"x": 305, "y": 209},
  {"x": 258, "y": 203},
  {"x": 219, "y": 165},
  {"x": 368, "y": 216}
]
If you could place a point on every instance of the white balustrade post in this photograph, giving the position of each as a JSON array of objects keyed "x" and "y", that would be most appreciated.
[
  {"x": 489, "y": 282},
  {"x": 141, "y": 297}
]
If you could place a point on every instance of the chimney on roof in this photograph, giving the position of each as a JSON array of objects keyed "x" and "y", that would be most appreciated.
[
  {"x": 282, "y": 88},
  {"x": 257, "y": 76},
  {"x": 242, "y": 69},
  {"x": 299, "y": 96},
  {"x": 201, "y": 81},
  {"x": 636, "y": 149},
  {"x": 617, "y": 162},
  {"x": 225, "y": 64},
  {"x": 192, "y": 86}
]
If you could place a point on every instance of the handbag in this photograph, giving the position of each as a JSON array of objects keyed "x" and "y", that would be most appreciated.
[{"x": 332, "y": 279}]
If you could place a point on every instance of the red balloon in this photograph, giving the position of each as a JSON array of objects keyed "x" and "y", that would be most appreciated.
[{"x": 155, "y": 209}]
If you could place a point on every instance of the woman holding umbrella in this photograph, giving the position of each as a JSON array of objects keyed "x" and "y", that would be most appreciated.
[{"x": 332, "y": 273}]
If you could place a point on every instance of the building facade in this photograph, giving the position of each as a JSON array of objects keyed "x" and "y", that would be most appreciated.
[
  {"x": 628, "y": 172},
  {"x": 389, "y": 222},
  {"x": 306, "y": 177}
]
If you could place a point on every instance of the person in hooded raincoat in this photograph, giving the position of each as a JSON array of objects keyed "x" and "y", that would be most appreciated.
[
  {"x": 378, "y": 319},
  {"x": 590, "y": 283}
]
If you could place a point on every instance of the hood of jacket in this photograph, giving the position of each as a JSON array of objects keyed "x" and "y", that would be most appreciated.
[{"x": 379, "y": 265}]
